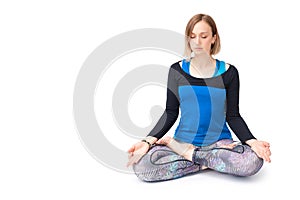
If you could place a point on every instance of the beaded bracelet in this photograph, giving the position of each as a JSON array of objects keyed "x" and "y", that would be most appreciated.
[{"x": 147, "y": 143}]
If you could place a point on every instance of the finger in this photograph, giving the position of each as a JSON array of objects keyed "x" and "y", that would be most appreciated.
[
  {"x": 130, "y": 155},
  {"x": 267, "y": 159},
  {"x": 131, "y": 149},
  {"x": 261, "y": 154},
  {"x": 266, "y": 144},
  {"x": 131, "y": 161},
  {"x": 134, "y": 159},
  {"x": 266, "y": 156},
  {"x": 269, "y": 152}
]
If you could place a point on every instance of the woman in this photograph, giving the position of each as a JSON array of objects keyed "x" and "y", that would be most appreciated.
[{"x": 207, "y": 92}]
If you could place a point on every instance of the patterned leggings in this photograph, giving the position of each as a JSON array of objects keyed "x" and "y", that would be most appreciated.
[{"x": 161, "y": 163}]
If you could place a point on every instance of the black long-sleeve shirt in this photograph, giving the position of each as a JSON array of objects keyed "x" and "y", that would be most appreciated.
[{"x": 207, "y": 105}]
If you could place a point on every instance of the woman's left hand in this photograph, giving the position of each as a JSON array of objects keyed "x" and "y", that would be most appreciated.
[{"x": 261, "y": 148}]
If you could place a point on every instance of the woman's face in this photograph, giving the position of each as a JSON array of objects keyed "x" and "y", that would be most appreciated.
[{"x": 201, "y": 38}]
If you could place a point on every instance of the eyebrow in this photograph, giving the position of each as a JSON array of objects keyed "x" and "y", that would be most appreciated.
[{"x": 199, "y": 33}]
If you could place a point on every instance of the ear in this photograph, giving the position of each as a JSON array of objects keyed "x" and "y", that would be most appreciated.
[{"x": 214, "y": 39}]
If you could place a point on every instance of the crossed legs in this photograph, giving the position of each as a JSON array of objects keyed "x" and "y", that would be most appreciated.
[{"x": 170, "y": 159}]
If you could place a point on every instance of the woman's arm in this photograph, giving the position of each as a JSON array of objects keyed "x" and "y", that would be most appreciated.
[
  {"x": 233, "y": 117},
  {"x": 237, "y": 123},
  {"x": 166, "y": 121}
]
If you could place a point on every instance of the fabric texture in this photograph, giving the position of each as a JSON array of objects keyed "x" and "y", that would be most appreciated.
[
  {"x": 207, "y": 107},
  {"x": 161, "y": 163}
]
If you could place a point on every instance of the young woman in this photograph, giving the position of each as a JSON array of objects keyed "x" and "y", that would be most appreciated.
[{"x": 206, "y": 90}]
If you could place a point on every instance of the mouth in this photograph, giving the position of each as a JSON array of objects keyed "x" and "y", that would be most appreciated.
[{"x": 198, "y": 48}]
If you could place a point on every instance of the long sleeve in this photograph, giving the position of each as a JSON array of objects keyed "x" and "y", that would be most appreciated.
[
  {"x": 171, "y": 112},
  {"x": 233, "y": 117}
]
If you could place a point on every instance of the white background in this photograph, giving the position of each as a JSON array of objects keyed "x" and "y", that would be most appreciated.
[{"x": 42, "y": 48}]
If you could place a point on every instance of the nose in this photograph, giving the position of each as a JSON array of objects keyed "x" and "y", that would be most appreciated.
[{"x": 197, "y": 40}]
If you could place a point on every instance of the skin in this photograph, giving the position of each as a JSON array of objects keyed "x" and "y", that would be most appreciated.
[
  {"x": 201, "y": 39},
  {"x": 139, "y": 149},
  {"x": 261, "y": 148},
  {"x": 202, "y": 66}
]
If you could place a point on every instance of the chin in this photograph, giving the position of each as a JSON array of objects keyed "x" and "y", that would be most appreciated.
[{"x": 200, "y": 52}]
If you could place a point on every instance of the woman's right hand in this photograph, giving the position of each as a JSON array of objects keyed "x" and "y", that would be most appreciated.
[{"x": 136, "y": 152}]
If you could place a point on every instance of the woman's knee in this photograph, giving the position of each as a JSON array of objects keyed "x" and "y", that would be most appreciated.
[
  {"x": 251, "y": 163},
  {"x": 143, "y": 169},
  {"x": 148, "y": 171},
  {"x": 144, "y": 173},
  {"x": 161, "y": 164},
  {"x": 148, "y": 168}
]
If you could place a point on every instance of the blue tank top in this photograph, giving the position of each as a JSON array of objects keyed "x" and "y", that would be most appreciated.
[{"x": 203, "y": 108}]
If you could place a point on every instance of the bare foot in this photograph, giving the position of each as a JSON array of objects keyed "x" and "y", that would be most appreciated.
[
  {"x": 229, "y": 146},
  {"x": 184, "y": 149}
]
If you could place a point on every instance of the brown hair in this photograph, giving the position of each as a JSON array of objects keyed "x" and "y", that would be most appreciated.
[{"x": 216, "y": 47}]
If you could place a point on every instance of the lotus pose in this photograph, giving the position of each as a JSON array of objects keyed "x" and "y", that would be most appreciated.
[{"x": 206, "y": 92}]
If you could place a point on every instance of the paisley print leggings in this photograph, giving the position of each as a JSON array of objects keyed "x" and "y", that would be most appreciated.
[{"x": 161, "y": 163}]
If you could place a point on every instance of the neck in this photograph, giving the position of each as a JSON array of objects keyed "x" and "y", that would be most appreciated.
[{"x": 203, "y": 61}]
